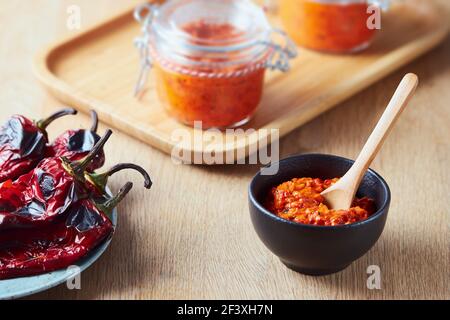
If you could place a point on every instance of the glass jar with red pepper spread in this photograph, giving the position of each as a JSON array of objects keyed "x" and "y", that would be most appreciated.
[
  {"x": 210, "y": 57},
  {"x": 337, "y": 26}
]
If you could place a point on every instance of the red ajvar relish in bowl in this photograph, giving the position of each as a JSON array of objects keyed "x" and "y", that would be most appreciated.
[{"x": 299, "y": 200}]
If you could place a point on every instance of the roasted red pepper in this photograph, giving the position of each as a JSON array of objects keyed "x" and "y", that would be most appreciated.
[
  {"x": 60, "y": 244},
  {"x": 56, "y": 214},
  {"x": 76, "y": 144},
  {"x": 22, "y": 144},
  {"x": 36, "y": 198}
]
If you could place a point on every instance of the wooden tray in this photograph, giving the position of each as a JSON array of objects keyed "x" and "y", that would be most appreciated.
[{"x": 98, "y": 68}]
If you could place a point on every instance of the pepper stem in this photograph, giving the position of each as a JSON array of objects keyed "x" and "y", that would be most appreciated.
[
  {"x": 44, "y": 123},
  {"x": 100, "y": 180},
  {"x": 113, "y": 202},
  {"x": 94, "y": 117},
  {"x": 79, "y": 167}
]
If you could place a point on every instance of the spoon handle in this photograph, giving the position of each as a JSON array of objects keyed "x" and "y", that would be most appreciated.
[{"x": 384, "y": 126}]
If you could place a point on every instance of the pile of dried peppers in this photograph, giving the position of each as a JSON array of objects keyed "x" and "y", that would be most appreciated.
[{"x": 54, "y": 207}]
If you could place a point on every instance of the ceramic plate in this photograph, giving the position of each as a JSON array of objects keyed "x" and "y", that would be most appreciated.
[{"x": 21, "y": 287}]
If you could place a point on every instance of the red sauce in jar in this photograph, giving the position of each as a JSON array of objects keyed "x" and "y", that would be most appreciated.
[
  {"x": 331, "y": 27},
  {"x": 218, "y": 102},
  {"x": 204, "y": 31},
  {"x": 299, "y": 200}
]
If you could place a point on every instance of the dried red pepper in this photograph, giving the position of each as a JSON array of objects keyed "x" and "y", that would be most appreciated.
[
  {"x": 61, "y": 244},
  {"x": 76, "y": 144},
  {"x": 36, "y": 198},
  {"x": 22, "y": 144}
]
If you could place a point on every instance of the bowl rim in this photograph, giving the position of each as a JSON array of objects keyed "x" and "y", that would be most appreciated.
[{"x": 376, "y": 215}]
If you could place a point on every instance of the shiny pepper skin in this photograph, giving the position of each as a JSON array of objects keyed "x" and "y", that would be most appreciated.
[
  {"x": 38, "y": 197},
  {"x": 75, "y": 145},
  {"x": 55, "y": 246},
  {"x": 35, "y": 199},
  {"x": 22, "y": 146},
  {"x": 57, "y": 214}
]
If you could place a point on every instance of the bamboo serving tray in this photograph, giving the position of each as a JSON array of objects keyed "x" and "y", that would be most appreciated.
[{"x": 98, "y": 68}]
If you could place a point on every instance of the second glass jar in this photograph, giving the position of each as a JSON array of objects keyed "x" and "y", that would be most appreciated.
[{"x": 336, "y": 26}]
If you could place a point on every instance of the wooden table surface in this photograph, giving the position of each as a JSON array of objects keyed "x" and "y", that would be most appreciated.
[{"x": 191, "y": 236}]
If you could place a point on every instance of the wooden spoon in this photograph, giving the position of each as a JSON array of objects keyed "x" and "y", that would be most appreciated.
[{"x": 341, "y": 194}]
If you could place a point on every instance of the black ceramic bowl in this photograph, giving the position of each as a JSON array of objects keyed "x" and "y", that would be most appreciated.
[{"x": 310, "y": 249}]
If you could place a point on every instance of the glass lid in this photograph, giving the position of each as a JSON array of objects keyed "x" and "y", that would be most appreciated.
[{"x": 211, "y": 25}]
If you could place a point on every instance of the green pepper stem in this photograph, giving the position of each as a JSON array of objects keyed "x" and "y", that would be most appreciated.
[
  {"x": 79, "y": 167},
  {"x": 100, "y": 180},
  {"x": 44, "y": 123},
  {"x": 94, "y": 117},
  {"x": 113, "y": 202}
]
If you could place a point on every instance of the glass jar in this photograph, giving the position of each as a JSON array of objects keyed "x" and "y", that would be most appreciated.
[
  {"x": 210, "y": 57},
  {"x": 337, "y": 26}
]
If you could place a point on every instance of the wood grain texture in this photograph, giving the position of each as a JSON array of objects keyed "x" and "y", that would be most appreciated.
[
  {"x": 79, "y": 71},
  {"x": 191, "y": 235}
]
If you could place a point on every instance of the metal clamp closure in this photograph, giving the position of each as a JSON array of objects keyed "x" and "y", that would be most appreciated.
[
  {"x": 281, "y": 53},
  {"x": 144, "y": 15}
]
